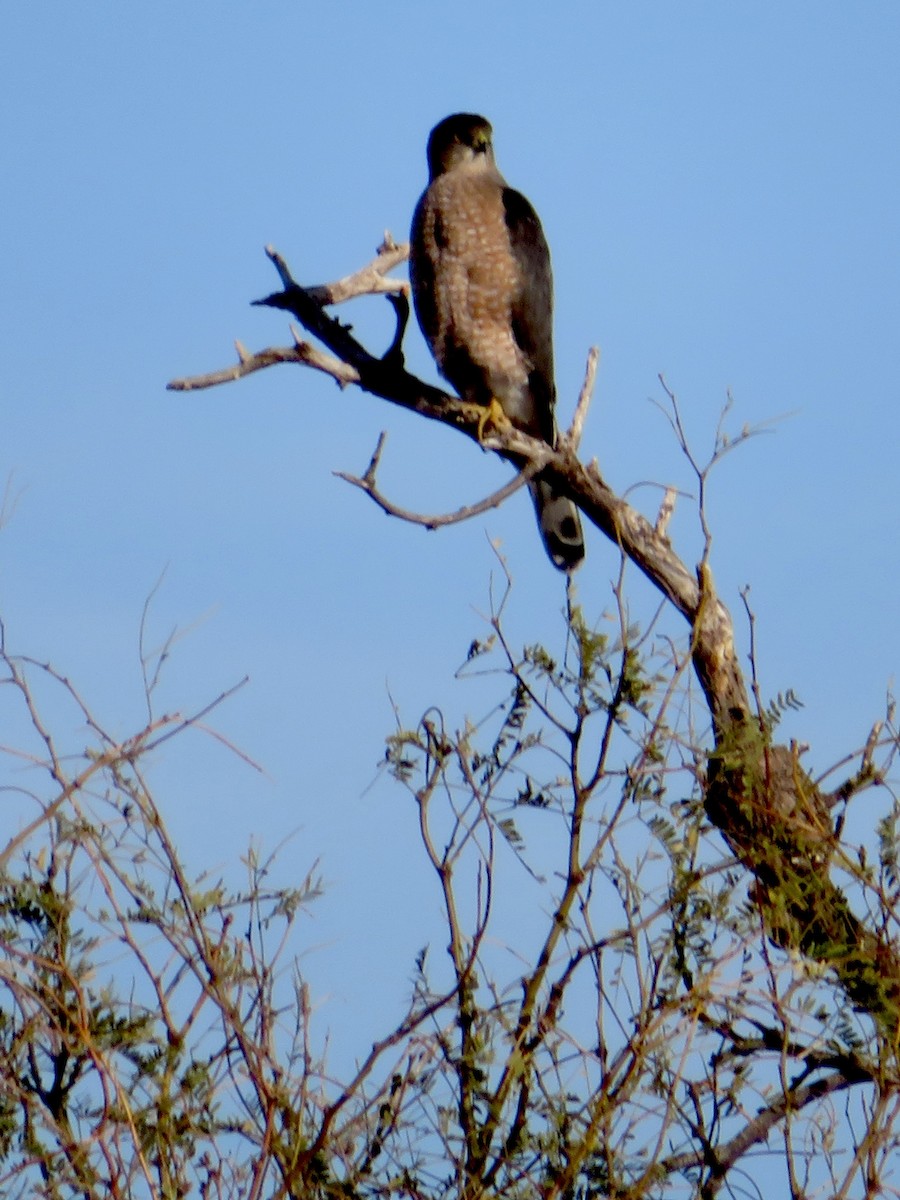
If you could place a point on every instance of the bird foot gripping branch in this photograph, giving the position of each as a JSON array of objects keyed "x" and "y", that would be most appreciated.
[{"x": 493, "y": 415}]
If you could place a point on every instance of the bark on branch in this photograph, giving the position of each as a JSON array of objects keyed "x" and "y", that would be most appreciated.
[{"x": 770, "y": 812}]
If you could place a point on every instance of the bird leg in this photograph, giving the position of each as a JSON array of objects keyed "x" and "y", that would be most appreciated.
[{"x": 493, "y": 414}]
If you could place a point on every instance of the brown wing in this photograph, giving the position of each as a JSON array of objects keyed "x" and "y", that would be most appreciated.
[
  {"x": 532, "y": 315},
  {"x": 421, "y": 271}
]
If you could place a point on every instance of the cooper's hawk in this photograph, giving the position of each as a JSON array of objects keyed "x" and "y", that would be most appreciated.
[{"x": 483, "y": 293}]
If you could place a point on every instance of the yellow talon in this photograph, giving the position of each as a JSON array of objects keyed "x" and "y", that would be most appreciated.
[{"x": 493, "y": 414}]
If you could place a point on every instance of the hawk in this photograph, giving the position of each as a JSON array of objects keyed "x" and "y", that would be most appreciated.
[{"x": 483, "y": 294}]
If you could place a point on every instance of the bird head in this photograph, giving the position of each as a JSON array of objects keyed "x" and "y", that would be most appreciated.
[{"x": 459, "y": 140}]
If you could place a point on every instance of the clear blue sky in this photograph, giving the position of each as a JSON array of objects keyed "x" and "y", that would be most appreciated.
[{"x": 719, "y": 185}]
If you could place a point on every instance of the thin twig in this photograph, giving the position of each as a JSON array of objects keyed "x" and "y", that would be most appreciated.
[
  {"x": 575, "y": 430},
  {"x": 300, "y": 352},
  {"x": 366, "y": 483},
  {"x": 370, "y": 279}
]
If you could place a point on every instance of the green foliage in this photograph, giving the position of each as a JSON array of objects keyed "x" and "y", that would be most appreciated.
[{"x": 774, "y": 711}]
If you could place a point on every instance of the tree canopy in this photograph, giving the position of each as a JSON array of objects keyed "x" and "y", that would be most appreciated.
[{"x": 666, "y": 950}]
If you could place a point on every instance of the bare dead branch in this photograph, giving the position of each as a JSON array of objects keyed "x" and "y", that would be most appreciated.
[
  {"x": 721, "y": 1159},
  {"x": 300, "y": 352},
  {"x": 666, "y": 509},
  {"x": 869, "y": 773},
  {"x": 367, "y": 484},
  {"x": 175, "y": 723},
  {"x": 100, "y": 763},
  {"x": 368, "y": 281},
  {"x": 575, "y": 430}
]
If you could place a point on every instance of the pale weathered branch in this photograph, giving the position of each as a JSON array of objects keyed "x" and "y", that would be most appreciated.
[
  {"x": 666, "y": 509},
  {"x": 367, "y": 484},
  {"x": 369, "y": 280},
  {"x": 300, "y": 352},
  {"x": 575, "y": 430}
]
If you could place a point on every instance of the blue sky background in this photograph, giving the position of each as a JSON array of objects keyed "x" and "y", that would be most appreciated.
[{"x": 719, "y": 185}]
